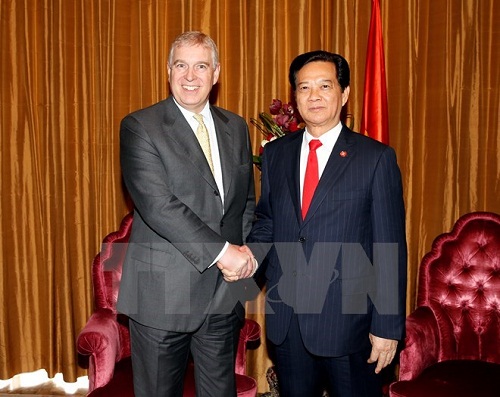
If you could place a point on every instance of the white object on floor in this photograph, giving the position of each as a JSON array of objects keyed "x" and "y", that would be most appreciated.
[
  {"x": 39, "y": 381},
  {"x": 29, "y": 379}
]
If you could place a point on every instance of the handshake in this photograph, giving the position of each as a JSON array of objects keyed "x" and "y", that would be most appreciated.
[{"x": 237, "y": 263}]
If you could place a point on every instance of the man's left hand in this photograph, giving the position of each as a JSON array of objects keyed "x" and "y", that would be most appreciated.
[{"x": 383, "y": 352}]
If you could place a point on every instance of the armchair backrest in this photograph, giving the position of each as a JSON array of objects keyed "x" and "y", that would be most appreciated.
[
  {"x": 459, "y": 280},
  {"x": 107, "y": 266}
]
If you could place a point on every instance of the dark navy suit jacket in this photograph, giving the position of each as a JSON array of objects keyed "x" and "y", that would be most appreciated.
[{"x": 343, "y": 268}]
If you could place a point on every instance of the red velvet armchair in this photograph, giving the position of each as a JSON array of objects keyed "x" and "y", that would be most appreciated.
[
  {"x": 105, "y": 339},
  {"x": 453, "y": 337}
]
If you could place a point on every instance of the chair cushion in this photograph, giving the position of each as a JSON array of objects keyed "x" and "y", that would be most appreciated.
[
  {"x": 453, "y": 378},
  {"x": 246, "y": 386},
  {"x": 122, "y": 383}
]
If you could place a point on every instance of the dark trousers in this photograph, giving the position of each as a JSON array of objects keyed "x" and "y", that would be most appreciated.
[
  {"x": 301, "y": 373},
  {"x": 159, "y": 358}
]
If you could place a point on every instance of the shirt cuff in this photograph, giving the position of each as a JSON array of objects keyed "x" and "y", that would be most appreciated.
[{"x": 224, "y": 249}]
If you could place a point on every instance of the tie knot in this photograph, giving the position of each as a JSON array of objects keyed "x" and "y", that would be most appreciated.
[
  {"x": 199, "y": 118},
  {"x": 314, "y": 144}
]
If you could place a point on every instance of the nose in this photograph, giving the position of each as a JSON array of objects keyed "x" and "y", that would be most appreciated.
[
  {"x": 314, "y": 94},
  {"x": 190, "y": 74}
]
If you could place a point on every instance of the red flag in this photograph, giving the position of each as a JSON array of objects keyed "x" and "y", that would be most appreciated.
[{"x": 374, "y": 119}]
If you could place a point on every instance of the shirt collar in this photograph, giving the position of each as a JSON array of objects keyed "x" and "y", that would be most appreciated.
[
  {"x": 328, "y": 138},
  {"x": 189, "y": 115}
]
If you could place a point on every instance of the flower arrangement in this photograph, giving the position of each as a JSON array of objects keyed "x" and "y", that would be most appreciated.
[{"x": 282, "y": 119}]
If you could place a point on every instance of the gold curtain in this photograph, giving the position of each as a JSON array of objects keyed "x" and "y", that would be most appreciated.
[{"x": 71, "y": 69}]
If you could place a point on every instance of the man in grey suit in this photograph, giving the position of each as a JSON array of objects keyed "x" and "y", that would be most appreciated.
[
  {"x": 191, "y": 180},
  {"x": 332, "y": 204}
]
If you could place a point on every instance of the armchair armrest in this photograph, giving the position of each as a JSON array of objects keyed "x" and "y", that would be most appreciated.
[
  {"x": 250, "y": 332},
  {"x": 421, "y": 343},
  {"x": 100, "y": 340}
]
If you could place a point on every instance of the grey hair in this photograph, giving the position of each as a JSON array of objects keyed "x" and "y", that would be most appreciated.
[{"x": 194, "y": 38}]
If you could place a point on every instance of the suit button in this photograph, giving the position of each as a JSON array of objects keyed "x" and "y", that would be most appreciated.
[
  {"x": 221, "y": 224},
  {"x": 302, "y": 239}
]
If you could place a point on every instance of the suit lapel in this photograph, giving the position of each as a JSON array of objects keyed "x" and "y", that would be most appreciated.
[
  {"x": 343, "y": 151},
  {"x": 225, "y": 142},
  {"x": 178, "y": 129},
  {"x": 292, "y": 171}
]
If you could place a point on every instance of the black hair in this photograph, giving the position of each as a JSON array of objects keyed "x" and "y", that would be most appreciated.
[{"x": 341, "y": 65}]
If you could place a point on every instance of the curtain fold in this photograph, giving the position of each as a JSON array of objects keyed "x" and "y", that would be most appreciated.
[{"x": 70, "y": 70}]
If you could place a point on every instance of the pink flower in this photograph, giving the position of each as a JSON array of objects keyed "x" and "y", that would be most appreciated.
[
  {"x": 282, "y": 120},
  {"x": 288, "y": 109},
  {"x": 275, "y": 107},
  {"x": 293, "y": 125}
]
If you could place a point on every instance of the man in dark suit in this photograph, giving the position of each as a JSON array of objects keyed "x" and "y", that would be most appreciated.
[
  {"x": 332, "y": 204},
  {"x": 191, "y": 180}
]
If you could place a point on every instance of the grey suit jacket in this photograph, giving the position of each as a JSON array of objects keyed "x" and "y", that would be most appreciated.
[{"x": 180, "y": 225}]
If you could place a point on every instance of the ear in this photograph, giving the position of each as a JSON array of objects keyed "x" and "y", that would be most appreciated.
[
  {"x": 345, "y": 95},
  {"x": 216, "y": 74}
]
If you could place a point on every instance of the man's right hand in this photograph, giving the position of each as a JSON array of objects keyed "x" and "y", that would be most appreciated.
[{"x": 236, "y": 263}]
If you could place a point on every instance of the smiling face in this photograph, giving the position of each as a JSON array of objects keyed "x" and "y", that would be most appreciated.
[
  {"x": 192, "y": 75},
  {"x": 319, "y": 96}
]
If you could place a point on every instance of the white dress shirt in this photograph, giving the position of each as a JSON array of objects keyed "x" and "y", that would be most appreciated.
[
  {"x": 328, "y": 140},
  {"x": 214, "y": 148}
]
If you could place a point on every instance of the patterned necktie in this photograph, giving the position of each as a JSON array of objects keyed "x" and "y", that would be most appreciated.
[
  {"x": 311, "y": 178},
  {"x": 204, "y": 140}
]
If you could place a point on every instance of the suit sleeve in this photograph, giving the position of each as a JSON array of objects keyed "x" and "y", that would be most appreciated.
[
  {"x": 389, "y": 248},
  {"x": 248, "y": 215},
  {"x": 262, "y": 230},
  {"x": 145, "y": 178}
]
